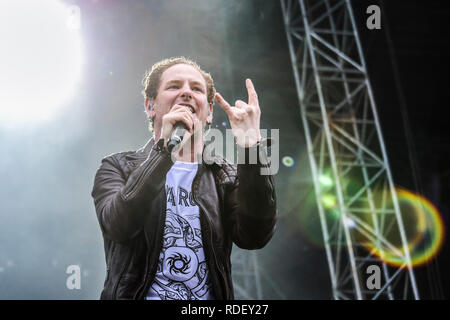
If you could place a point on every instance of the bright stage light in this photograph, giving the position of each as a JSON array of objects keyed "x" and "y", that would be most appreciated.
[
  {"x": 325, "y": 181},
  {"x": 40, "y": 60},
  {"x": 329, "y": 201}
]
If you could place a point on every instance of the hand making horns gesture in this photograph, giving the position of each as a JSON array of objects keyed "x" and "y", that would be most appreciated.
[{"x": 244, "y": 117}]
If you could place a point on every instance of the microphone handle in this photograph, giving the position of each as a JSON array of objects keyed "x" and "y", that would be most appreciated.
[{"x": 177, "y": 135}]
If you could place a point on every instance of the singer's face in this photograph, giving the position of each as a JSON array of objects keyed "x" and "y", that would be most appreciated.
[{"x": 181, "y": 84}]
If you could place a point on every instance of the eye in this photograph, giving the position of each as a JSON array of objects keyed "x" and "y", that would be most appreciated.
[
  {"x": 173, "y": 86},
  {"x": 198, "y": 89}
]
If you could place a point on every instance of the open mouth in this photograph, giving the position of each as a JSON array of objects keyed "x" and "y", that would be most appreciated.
[{"x": 189, "y": 107}]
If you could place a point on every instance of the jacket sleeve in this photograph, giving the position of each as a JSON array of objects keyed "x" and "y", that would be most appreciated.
[
  {"x": 121, "y": 204},
  {"x": 251, "y": 201}
]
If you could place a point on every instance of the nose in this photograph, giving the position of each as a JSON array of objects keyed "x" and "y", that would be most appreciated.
[{"x": 186, "y": 93}]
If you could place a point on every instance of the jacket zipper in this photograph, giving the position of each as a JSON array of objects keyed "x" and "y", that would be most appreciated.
[
  {"x": 161, "y": 226},
  {"x": 110, "y": 258},
  {"x": 135, "y": 297},
  {"x": 159, "y": 237},
  {"x": 210, "y": 247},
  {"x": 120, "y": 276}
]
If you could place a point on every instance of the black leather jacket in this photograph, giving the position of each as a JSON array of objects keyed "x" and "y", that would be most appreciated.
[{"x": 237, "y": 204}]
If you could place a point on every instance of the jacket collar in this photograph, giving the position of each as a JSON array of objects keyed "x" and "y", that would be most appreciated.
[{"x": 143, "y": 152}]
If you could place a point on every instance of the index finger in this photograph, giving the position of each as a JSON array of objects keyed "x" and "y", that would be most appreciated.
[
  {"x": 225, "y": 105},
  {"x": 252, "y": 95}
]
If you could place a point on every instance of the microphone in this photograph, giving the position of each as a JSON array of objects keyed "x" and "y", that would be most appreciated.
[{"x": 177, "y": 135}]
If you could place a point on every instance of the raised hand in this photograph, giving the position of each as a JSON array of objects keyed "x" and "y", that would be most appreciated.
[{"x": 244, "y": 117}]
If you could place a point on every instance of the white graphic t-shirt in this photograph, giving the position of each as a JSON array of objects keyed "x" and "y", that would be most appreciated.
[{"x": 182, "y": 272}]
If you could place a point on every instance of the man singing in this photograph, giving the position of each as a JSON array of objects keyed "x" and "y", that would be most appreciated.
[{"x": 167, "y": 218}]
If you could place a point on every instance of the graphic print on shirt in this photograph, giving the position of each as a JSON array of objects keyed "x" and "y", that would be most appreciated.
[
  {"x": 179, "y": 262},
  {"x": 182, "y": 272}
]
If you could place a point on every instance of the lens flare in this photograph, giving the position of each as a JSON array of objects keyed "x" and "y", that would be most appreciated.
[
  {"x": 288, "y": 161},
  {"x": 424, "y": 230}
]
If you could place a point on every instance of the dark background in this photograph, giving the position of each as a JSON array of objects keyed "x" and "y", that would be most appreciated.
[{"x": 420, "y": 40}]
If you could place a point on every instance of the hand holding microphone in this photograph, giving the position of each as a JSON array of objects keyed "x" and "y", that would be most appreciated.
[
  {"x": 179, "y": 130},
  {"x": 175, "y": 125}
]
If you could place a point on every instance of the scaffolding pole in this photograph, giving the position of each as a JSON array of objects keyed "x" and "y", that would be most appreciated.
[{"x": 357, "y": 201}]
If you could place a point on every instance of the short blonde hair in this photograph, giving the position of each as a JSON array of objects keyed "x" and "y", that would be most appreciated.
[{"x": 152, "y": 78}]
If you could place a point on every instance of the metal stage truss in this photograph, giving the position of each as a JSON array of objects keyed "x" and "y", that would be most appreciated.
[{"x": 357, "y": 202}]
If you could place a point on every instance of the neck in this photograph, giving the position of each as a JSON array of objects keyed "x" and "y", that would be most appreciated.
[
  {"x": 189, "y": 154},
  {"x": 190, "y": 150}
]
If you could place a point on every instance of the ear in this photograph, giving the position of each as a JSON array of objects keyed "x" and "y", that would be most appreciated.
[
  {"x": 149, "y": 108},
  {"x": 210, "y": 115}
]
